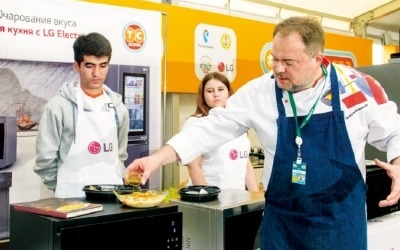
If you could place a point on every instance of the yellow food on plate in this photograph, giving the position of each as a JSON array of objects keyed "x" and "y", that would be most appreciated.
[{"x": 141, "y": 199}]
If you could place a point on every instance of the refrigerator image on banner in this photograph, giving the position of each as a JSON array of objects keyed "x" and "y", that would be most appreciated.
[{"x": 132, "y": 82}]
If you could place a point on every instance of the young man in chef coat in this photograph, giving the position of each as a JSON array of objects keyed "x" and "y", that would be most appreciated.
[{"x": 82, "y": 137}]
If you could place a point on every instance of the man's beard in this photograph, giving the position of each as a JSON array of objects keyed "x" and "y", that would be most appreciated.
[{"x": 298, "y": 87}]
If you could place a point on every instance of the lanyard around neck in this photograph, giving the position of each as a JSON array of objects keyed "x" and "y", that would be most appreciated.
[{"x": 310, "y": 113}]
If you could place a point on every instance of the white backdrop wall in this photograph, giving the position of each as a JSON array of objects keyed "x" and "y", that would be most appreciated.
[{"x": 36, "y": 58}]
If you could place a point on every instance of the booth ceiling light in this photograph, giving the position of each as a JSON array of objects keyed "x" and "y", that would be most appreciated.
[
  {"x": 285, "y": 13},
  {"x": 221, "y": 4},
  {"x": 155, "y": 1},
  {"x": 335, "y": 24}
]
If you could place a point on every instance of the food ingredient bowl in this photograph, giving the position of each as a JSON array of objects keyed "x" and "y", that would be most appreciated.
[
  {"x": 199, "y": 193},
  {"x": 104, "y": 191},
  {"x": 140, "y": 198},
  {"x": 26, "y": 126}
]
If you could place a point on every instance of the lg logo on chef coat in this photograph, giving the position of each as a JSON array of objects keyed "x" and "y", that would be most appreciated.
[
  {"x": 234, "y": 154},
  {"x": 94, "y": 147}
]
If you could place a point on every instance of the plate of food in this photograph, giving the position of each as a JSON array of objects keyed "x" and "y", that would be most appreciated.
[
  {"x": 140, "y": 198},
  {"x": 26, "y": 123},
  {"x": 26, "y": 126}
]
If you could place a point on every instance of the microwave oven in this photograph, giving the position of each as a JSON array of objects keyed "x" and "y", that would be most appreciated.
[
  {"x": 232, "y": 221},
  {"x": 8, "y": 140},
  {"x": 378, "y": 188},
  {"x": 116, "y": 227}
]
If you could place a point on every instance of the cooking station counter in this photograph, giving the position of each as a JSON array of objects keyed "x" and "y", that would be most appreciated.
[
  {"x": 117, "y": 225},
  {"x": 229, "y": 222}
]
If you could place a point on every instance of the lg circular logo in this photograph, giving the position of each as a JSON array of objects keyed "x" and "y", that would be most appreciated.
[
  {"x": 221, "y": 67},
  {"x": 233, "y": 154},
  {"x": 94, "y": 147}
]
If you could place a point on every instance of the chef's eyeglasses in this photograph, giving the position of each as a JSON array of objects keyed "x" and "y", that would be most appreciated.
[
  {"x": 287, "y": 63},
  {"x": 284, "y": 62}
]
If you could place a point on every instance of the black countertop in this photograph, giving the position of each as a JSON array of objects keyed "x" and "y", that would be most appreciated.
[
  {"x": 111, "y": 209},
  {"x": 117, "y": 225}
]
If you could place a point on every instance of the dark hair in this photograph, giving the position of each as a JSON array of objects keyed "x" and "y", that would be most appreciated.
[
  {"x": 308, "y": 28},
  {"x": 92, "y": 44},
  {"x": 202, "y": 109}
]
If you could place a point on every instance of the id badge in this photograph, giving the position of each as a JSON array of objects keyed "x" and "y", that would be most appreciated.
[{"x": 299, "y": 173}]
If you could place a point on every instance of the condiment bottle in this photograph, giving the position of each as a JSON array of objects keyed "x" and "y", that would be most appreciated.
[{"x": 260, "y": 156}]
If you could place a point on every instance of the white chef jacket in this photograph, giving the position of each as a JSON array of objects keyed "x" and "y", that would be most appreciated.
[
  {"x": 368, "y": 118},
  {"x": 225, "y": 166}
]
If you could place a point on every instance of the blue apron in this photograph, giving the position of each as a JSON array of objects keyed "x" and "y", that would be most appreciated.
[{"x": 328, "y": 212}]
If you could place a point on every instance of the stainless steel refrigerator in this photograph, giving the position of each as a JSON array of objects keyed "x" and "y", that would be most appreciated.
[{"x": 133, "y": 83}]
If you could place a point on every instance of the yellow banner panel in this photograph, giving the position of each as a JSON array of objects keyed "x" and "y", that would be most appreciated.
[{"x": 192, "y": 51}]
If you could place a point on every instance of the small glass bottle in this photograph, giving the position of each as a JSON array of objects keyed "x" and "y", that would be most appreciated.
[
  {"x": 260, "y": 156},
  {"x": 19, "y": 112},
  {"x": 253, "y": 156}
]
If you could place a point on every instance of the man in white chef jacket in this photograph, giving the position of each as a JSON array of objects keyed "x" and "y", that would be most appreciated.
[
  {"x": 313, "y": 118},
  {"x": 82, "y": 137}
]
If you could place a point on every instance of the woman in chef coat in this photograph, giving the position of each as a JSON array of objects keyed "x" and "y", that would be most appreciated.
[
  {"x": 83, "y": 131},
  {"x": 227, "y": 166}
]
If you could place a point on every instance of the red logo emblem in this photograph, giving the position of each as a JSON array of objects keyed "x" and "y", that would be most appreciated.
[
  {"x": 233, "y": 154},
  {"x": 221, "y": 67},
  {"x": 94, "y": 147}
]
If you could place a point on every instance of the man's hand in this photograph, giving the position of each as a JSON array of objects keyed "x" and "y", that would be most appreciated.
[
  {"x": 147, "y": 165},
  {"x": 143, "y": 166},
  {"x": 393, "y": 171}
]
